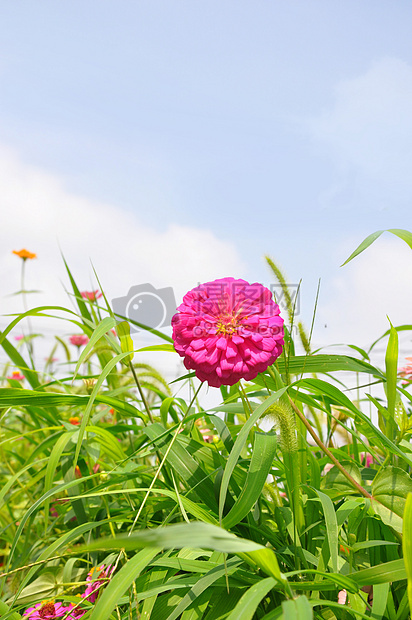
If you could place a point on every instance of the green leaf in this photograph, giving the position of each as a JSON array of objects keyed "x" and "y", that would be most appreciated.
[
  {"x": 240, "y": 443},
  {"x": 250, "y": 600},
  {"x": 18, "y": 361},
  {"x": 336, "y": 481},
  {"x": 11, "y": 615},
  {"x": 297, "y": 609},
  {"x": 365, "y": 244},
  {"x": 380, "y": 600},
  {"x": 383, "y": 573},
  {"x": 407, "y": 544},
  {"x": 54, "y": 459},
  {"x": 391, "y": 363},
  {"x": 317, "y": 386},
  {"x": 324, "y": 363},
  {"x": 188, "y": 469},
  {"x": 260, "y": 464},
  {"x": 15, "y": 397},
  {"x": 205, "y": 582},
  {"x": 85, "y": 420},
  {"x": 390, "y": 488},
  {"x": 331, "y": 527},
  {"x": 405, "y": 235},
  {"x": 195, "y": 535},
  {"x": 126, "y": 343},
  {"x": 120, "y": 583}
]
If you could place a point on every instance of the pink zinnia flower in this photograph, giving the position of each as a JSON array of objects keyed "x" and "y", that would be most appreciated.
[
  {"x": 91, "y": 295},
  {"x": 79, "y": 340},
  {"x": 46, "y": 610},
  {"x": 16, "y": 375},
  {"x": 92, "y": 591},
  {"x": 228, "y": 330}
]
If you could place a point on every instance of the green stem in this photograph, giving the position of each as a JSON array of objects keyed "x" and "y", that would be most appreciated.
[
  {"x": 159, "y": 469},
  {"x": 142, "y": 396},
  {"x": 334, "y": 460}
]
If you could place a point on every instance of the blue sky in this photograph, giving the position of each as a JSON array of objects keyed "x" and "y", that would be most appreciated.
[{"x": 280, "y": 127}]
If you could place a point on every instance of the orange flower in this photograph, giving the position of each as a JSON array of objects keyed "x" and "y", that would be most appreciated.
[
  {"x": 75, "y": 421},
  {"x": 24, "y": 254},
  {"x": 77, "y": 472}
]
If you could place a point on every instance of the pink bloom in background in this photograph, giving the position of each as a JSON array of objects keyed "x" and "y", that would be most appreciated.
[
  {"x": 46, "y": 610},
  {"x": 76, "y": 612},
  {"x": 19, "y": 337},
  {"x": 91, "y": 295},
  {"x": 79, "y": 340},
  {"x": 53, "y": 511},
  {"x": 228, "y": 330},
  {"x": 92, "y": 591},
  {"x": 342, "y": 596},
  {"x": 16, "y": 375},
  {"x": 366, "y": 458},
  {"x": 406, "y": 372}
]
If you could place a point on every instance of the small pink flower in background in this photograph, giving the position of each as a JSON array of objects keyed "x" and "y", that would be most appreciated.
[
  {"x": 91, "y": 295},
  {"x": 342, "y": 597},
  {"x": 19, "y": 337},
  {"x": 228, "y": 330},
  {"x": 92, "y": 591},
  {"x": 96, "y": 468},
  {"x": 16, "y": 375},
  {"x": 75, "y": 612},
  {"x": 53, "y": 511},
  {"x": 46, "y": 610},
  {"x": 79, "y": 340},
  {"x": 406, "y": 372},
  {"x": 366, "y": 458},
  {"x": 327, "y": 468}
]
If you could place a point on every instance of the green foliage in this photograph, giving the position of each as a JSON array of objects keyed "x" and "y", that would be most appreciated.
[{"x": 204, "y": 514}]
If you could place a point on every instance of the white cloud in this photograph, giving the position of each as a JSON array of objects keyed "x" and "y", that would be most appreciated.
[
  {"x": 369, "y": 128},
  {"x": 375, "y": 285},
  {"x": 39, "y": 214}
]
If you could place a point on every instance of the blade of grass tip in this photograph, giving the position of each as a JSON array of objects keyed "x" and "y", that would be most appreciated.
[
  {"x": 108, "y": 307},
  {"x": 84, "y": 311},
  {"x": 101, "y": 329},
  {"x": 365, "y": 244}
]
